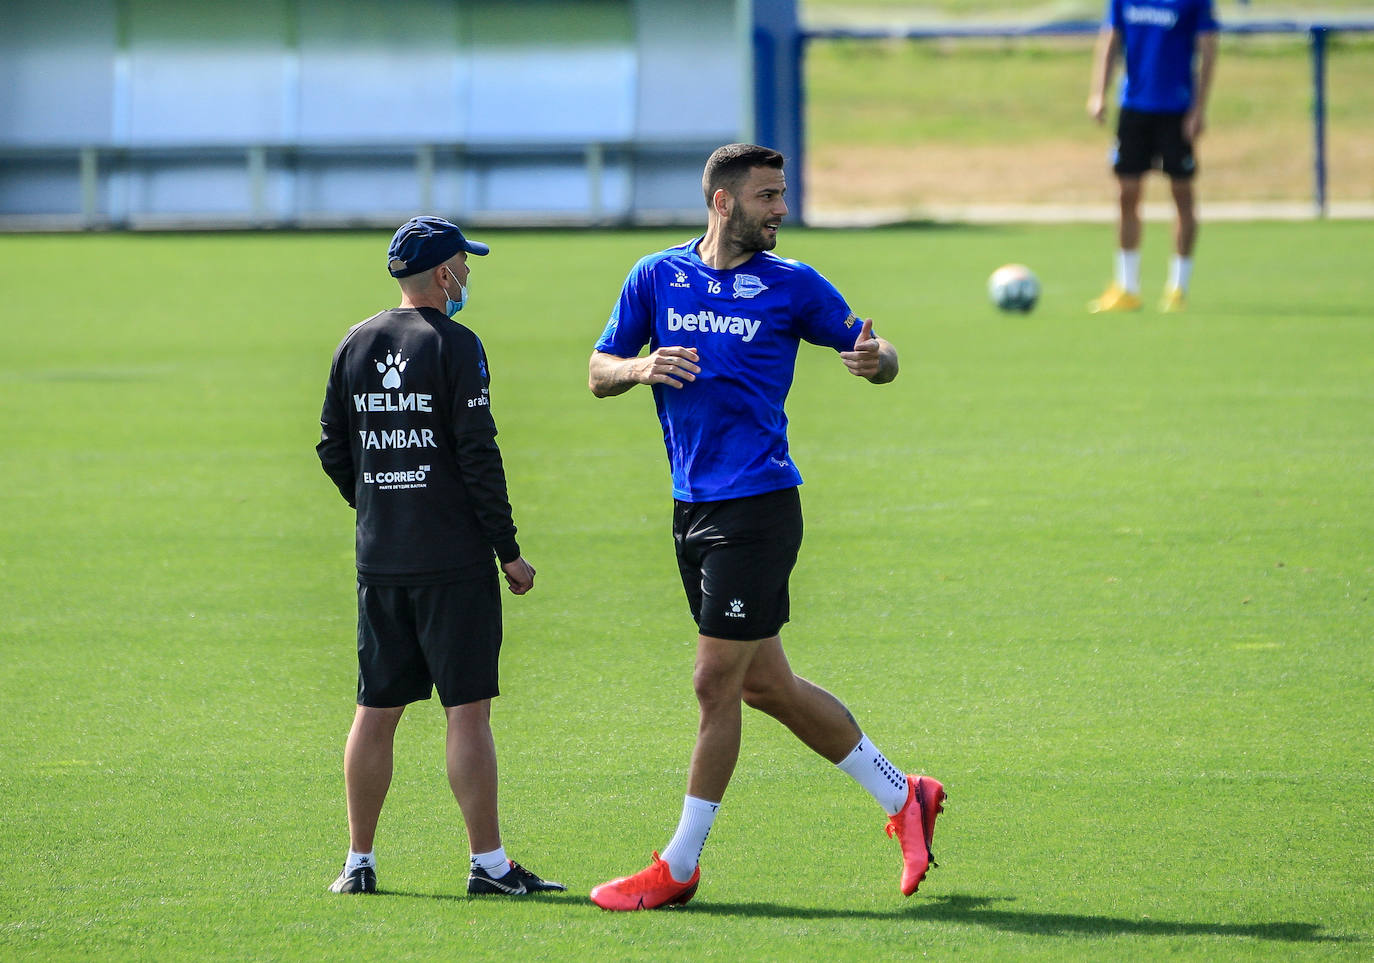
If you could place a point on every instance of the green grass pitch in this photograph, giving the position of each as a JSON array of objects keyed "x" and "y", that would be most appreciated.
[{"x": 1108, "y": 578}]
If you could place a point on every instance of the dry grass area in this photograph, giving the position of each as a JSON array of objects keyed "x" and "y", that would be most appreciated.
[{"x": 1233, "y": 166}]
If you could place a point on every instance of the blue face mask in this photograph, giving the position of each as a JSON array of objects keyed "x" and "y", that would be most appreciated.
[{"x": 452, "y": 307}]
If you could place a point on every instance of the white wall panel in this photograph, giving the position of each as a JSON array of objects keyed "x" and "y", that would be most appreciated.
[
  {"x": 373, "y": 71},
  {"x": 288, "y": 111},
  {"x": 56, "y": 59},
  {"x": 691, "y": 78}
]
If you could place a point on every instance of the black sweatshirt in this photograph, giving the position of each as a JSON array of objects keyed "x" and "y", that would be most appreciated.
[{"x": 407, "y": 436}]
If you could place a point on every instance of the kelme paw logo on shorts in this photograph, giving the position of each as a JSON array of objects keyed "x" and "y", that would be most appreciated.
[
  {"x": 391, "y": 370},
  {"x": 736, "y": 610}
]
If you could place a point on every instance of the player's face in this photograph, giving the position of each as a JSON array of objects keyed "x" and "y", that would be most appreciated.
[{"x": 758, "y": 212}]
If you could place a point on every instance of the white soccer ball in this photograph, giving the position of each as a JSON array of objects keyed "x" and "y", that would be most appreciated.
[{"x": 1014, "y": 287}]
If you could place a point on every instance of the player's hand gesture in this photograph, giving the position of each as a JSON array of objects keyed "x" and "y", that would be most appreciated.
[
  {"x": 668, "y": 366},
  {"x": 1097, "y": 107},
  {"x": 1193, "y": 125},
  {"x": 519, "y": 575},
  {"x": 864, "y": 360}
]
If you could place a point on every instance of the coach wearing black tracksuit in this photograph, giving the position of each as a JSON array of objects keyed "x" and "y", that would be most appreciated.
[{"x": 408, "y": 437}]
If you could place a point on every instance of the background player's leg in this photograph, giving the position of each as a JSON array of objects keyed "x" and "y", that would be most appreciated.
[
  {"x": 367, "y": 771},
  {"x": 1128, "y": 233},
  {"x": 1128, "y": 225},
  {"x": 1123, "y": 294},
  {"x": 1185, "y": 236},
  {"x": 1185, "y": 228}
]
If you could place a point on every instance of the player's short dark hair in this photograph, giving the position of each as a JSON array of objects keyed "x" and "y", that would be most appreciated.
[{"x": 729, "y": 166}]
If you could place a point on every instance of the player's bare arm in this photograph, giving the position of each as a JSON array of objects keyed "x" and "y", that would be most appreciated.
[
  {"x": 609, "y": 375},
  {"x": 1195, "y": 121},
  {"x": 873, "y": 357},
  {"x": 1104, "y": 61}
]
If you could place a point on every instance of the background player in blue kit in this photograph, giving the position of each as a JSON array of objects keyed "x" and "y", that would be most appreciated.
[
  {"x": 407, "y": 435},
  {"x": 723, "y": 320},
  {"x": 1163, "y": 111}
]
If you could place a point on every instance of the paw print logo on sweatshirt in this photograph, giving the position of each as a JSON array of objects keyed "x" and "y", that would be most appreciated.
[{"x": 391, "y": 369}]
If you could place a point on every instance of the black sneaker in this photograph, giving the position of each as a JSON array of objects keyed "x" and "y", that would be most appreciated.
[
  {"x": 361, "y": 880},
  {"x": 533, "y": 884},
  {"x": 517, "y": 882},
  {"x": 481, "y": 883}
]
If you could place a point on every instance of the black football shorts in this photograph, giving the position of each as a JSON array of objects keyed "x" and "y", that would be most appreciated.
[
  {"x": 415, "y": 638},
  {"x": 735, "y": 558},
  {"x": 1146, "y": 141}
]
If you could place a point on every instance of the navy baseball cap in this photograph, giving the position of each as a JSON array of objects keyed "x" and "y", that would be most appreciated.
[{"x": 427, "y": 241}]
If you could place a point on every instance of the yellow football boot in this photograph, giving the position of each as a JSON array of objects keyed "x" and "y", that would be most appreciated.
[
  {"x": 1174, "y": 300},
  {"x": 1115, "y": 298}
]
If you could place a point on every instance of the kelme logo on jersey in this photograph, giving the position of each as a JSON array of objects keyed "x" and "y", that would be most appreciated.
[
  {"x": 386, "y": 401},
  {"x": 391, "y": 370},
  {"x": 708, "y": 322},
  {"x": 748, "y": 286}
]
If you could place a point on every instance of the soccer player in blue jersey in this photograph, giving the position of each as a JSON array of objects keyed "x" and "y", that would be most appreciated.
[
  {"x": 1170, "y": 50},
  {"x": 723, "y": 319}
]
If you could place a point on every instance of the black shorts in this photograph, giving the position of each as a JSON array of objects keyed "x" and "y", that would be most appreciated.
[
  {"x": 735, "y": 557},
  {"x": 1145, "y": 141},
  {"x": 414, "y": 638}
]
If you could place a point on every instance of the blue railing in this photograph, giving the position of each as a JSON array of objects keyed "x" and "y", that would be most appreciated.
[{"x": 1317, "y": 33}]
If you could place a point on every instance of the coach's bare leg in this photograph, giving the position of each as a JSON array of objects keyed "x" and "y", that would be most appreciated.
[
  {"x": 1128, "y": 227},
  {"x": 815, "y": 716},
  {"x": 719, "y": 683},
  {"x": 471, "y": 757},
  {"x": 1185, "y": 228},
  {"x": 367, "y": 771}
]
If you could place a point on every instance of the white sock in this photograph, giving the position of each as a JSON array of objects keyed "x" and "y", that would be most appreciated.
[
  {"x": 1180, "y": 272},
  {"x": 684, "y": 851},
  {"x": 1128, "y": 270},
  {"x": 360, "y": 859},
  {"x": 870, "y": 769},
  {"x": 495, "y": 862}
]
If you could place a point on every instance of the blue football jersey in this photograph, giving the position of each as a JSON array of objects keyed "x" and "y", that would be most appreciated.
[
  {"x": 1159, "y": 39},
  {"x": 726, "y": 432}
]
